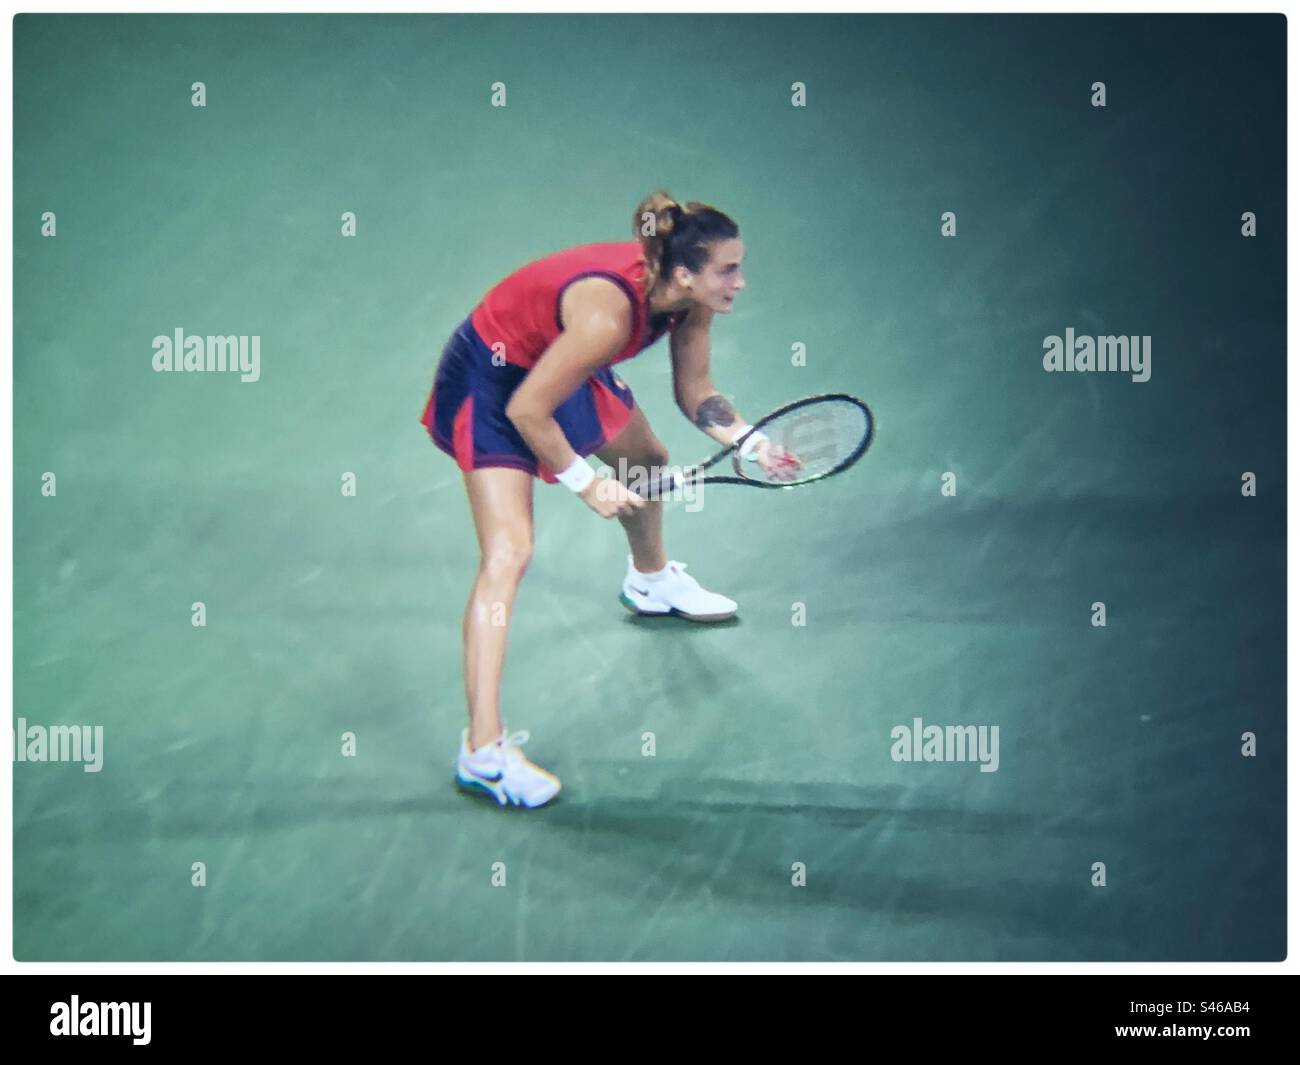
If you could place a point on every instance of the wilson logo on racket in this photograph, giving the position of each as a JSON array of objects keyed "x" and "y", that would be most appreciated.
[
  {"x": 810, "y": 440},
  {"x": 810, "y": 437}
]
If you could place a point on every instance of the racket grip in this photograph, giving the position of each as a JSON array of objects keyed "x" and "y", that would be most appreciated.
[{"x": 667, "y": 483}]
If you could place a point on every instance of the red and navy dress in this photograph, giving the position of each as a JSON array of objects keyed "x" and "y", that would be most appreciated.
[{"x": 517, "y": 321}]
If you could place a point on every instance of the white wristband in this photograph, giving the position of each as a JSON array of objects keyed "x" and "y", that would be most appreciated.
[
  {"x": 754, "y": 439},
  {"x": 577, "y": 475}
]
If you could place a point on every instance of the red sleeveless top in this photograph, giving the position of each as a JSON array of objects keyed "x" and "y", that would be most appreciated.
[{"x": 522, "y": 312}]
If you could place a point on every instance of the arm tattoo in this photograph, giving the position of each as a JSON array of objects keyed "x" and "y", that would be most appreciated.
[{"x": 714, "y": 411}]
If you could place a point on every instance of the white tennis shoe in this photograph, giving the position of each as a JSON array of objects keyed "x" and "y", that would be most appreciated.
[
  {"x": 500, "y": 769},
  {"x": 673, "y": 592}
]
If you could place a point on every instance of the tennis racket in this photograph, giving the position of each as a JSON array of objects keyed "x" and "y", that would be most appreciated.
[{"x": 817, "y": 437}]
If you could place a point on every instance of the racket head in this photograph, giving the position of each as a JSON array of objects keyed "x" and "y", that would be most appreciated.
[{"x": 827, "y": 434}]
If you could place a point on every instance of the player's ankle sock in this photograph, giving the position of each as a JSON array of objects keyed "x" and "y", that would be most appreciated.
[
  {"x": 483, "y": 750},
  {"x": 658, "y": 575}
]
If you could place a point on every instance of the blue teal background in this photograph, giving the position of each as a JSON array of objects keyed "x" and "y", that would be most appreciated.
[{"x": 328, "y": 614}]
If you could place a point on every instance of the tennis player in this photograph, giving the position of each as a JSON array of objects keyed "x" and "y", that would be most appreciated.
[{"x": 525, "y": 388}]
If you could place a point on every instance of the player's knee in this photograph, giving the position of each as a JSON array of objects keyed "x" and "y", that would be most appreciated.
[
  {"x": 507, "y": 557},
  {"x": 657, "y": 455}
]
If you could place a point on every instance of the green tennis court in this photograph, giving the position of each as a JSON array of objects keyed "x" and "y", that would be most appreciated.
[{"x": 772, "y": 821}]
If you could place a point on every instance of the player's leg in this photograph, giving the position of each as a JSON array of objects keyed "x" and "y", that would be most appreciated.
[
  {"x": 465, "y": 417},
  {"x": 638, "y": 448},
  {"x": 655, "y": 584},
  {"x": 492, "y": 762},
  {"x": 501, "y": 501}
]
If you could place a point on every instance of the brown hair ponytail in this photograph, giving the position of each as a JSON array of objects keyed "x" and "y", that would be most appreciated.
[{"x": 672, "y": 234}]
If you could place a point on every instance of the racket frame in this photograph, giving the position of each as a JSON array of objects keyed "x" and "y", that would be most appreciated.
[{"x": 676, "y": 480}]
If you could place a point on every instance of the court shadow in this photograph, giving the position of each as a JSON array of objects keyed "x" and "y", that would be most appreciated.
[{"x": 676, "y": 624}]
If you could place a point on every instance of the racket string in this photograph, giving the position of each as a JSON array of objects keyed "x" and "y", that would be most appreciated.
[{"x": 819, "y": 437}]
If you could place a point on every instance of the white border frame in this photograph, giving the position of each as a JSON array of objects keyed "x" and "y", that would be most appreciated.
[{"x": 7, "y": 963}]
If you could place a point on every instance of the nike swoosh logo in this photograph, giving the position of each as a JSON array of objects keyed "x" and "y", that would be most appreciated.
[
  {"x": 640, "y": 591},
  {"x": 481, "y": 776}
]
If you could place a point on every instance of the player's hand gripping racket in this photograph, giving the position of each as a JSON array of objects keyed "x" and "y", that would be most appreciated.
[{"x": 808, "y": 440}]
